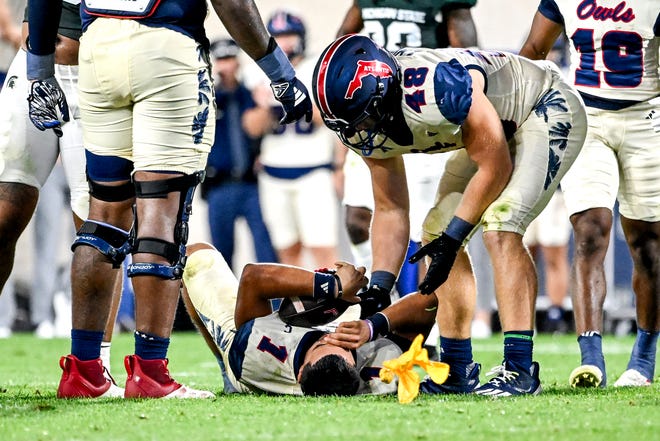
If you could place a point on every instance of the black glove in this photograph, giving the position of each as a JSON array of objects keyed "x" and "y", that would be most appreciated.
[
  {"x": 294, "y": 97},
  {"x": 442, "y": 252},
  {"x": 373, "y": 299}
]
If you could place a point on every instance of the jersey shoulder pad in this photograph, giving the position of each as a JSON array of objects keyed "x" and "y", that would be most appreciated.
[{"x": 453, "y": 90}]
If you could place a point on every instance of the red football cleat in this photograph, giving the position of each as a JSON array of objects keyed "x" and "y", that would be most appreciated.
[
  {"x": 151, "y": 379},
  {"x": 85, "y": 379}
]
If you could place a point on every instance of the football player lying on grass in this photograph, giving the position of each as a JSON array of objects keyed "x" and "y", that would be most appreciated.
[{"x": 262, "y": 351}]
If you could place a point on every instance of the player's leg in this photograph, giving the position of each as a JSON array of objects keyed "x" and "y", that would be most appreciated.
[
  {"x": 279, "y": 215},
  {"x": 317, "y": 213},
  {"x": 26, "y": 158},
  {"x": 223, "y": 200},
  {"x": 640, "y": 219},
  {"x": 251, "y": 210},
  {"x": 545, "y": 146},
  {"x": 590, "y": 189},
  {"x": 457, "y": 296},
  {"x": 209, "y": 293},
  {"x": 359, "y": 205}
]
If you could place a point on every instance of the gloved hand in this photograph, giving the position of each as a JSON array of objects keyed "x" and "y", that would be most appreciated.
[
  {"x": 294, "y": 97},
  {"x": 374, "y": 299},
  {"x": 442, "y": 252},
  {"x": 47, "y": 106}
]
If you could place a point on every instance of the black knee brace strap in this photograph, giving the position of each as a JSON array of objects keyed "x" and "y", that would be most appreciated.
[
  {"x": 108, "y": 193},
  {"x": 111, "y": 242},
  {"x": 175, "y": 253}
]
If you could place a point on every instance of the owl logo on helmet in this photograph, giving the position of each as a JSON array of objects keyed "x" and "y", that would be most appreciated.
[{"x": 355, "y": 80}]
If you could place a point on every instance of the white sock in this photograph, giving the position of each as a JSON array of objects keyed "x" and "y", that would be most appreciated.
[{"x": 105, "y": 354}]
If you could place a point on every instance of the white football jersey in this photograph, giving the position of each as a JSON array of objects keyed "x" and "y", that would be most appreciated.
[
  {"x": 266, "y": 354},
  {"x": 299, "y": 144},
  {"x": 614, "y": 46},
  {"x": 437, "y": 95}
]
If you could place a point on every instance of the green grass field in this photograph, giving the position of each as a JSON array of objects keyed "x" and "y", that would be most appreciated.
[{"x": 29, "y": 373}]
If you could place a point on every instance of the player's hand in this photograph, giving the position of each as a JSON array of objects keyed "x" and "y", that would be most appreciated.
[
  {"x": 349, "y": 335},
  {"x": 374, "y": 299},
  {"x": 442, "y": 252},
  {"x": 294, "y": 98},
  {"x": 352, "y": 280},
  {"x": 47, "y": 105}
]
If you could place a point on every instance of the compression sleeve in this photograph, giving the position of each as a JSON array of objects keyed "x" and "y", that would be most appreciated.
[{"x": 43, "y": 21}]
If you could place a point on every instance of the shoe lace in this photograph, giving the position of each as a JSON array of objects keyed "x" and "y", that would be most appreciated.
[
  {"x": 107, "y": 375},
  {"x": 502, "y": 375}
]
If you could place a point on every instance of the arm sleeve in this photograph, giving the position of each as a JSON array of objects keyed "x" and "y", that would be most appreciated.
[
  {"x": 550, "y": 10},
  {"x": 43, "y": 19}
]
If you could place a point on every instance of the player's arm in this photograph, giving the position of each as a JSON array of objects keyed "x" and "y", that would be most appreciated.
[
  {"x": 390, "y": 227},
  {"x": 460, "y": 27},
  {"x": 486, "y": 145},
  {"x": 542, "y": 36},
  {"x": 243, "y": 21},
  {"x": 352, "y": 21},
  {"x": 261, "y": 282},
  {"x": 411, "y": 315}
]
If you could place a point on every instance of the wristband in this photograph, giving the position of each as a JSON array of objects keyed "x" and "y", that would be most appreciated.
[
  {"x": 371, "y": 329},
  {"x": 40, "y": 67},
  {"x": 378, "y": 325},
  {"x": 340, "y": 290},
  {"x": 383, "y": 279},
  {"x": 324, "y": 286},
  {"x": 458, "y": 229},
  {"x": 276, "y": 65}
]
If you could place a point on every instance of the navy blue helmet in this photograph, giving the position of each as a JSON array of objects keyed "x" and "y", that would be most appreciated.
[
  {"x": 283, "y": 22},
  {"x": 355, "y": 79}
]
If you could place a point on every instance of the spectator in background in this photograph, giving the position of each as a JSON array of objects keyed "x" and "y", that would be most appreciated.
[
  {"x": 10, "y": 33},
  {"x": 615, "y": 67},
  {"x": 230, "y": 186},
  {"x": 296, "y": 185}
]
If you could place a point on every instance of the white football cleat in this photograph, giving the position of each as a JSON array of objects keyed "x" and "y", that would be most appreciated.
[{"x": 632, "y": 378}]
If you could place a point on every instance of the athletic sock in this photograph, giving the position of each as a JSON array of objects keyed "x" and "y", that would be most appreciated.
[
  {"x": 150, "y": 347},
  {"x": 642, "y": 358},
  {"x": 591, "y": 350},
  {"x": 457, "y": 353},
  {"x": 86, "y": 345},
  {"x": 518, "y": 349},
  {"x": 105, "y": 354}
]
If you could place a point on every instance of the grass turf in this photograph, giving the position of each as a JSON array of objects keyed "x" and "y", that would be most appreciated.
[{"x": 29, "y": 373}]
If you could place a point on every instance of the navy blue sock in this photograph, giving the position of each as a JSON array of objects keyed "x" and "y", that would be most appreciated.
[
  {"x": 518, "y": 349},
  {"x": 591, "y": 348},
  {"x": 86, "y": 345},
  {"x": 642, "y": 358},
  {"x": 150, "y": 347},
  {"x": 456, "y": 353}
]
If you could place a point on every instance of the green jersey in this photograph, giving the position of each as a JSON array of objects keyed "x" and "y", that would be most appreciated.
[{"x": 395, "y": 24}]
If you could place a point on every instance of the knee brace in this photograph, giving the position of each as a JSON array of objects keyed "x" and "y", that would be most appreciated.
[
  {"x": 112, "y": 242},
  {"x": 109, "y": 193},
  {"x": 174, "y": 253}
]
